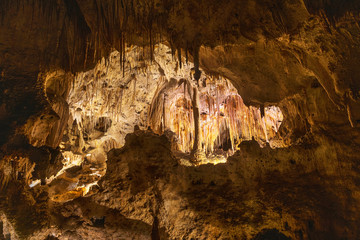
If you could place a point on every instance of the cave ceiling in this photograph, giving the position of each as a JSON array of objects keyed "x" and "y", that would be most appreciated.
[{"x": 73, "y": 35}]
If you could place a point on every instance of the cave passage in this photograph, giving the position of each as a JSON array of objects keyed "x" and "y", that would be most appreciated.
[{"x": 108, "y": 102}]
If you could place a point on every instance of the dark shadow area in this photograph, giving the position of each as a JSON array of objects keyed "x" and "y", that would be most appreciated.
[{"x": 270, "y": 234}]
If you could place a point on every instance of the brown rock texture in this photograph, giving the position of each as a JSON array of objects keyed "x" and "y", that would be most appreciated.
[
  {"x": 301, "y": 56},
  {"x": 299, "y": 190}
]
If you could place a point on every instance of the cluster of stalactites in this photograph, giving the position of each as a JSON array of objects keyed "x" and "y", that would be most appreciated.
[
  {"x": 96, "y": 97},
  {"x": 225, "y": 120},
  {"x": 115, "y": 23},
  {"x": 17, "y": 167}
]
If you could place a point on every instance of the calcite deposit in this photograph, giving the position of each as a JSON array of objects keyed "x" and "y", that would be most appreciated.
[{"x": 185, "y": 119}]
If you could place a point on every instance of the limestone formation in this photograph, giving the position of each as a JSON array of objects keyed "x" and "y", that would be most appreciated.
[{"x": 184, "y": 119}]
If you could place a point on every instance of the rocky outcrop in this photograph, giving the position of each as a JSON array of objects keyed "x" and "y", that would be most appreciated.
[
  {"x": 302, "y": 191},
  {"x": 57, "y": 86},
  {"x": 38, "y": 128}
]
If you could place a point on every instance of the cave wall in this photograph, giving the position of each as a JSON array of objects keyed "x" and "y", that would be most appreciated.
[
  {"x": 305, "y": 191},
  {"x": 301, "y": 55}
]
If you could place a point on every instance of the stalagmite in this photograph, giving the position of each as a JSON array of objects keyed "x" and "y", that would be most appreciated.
[
  {"x": 196, "y": 105},
  {"x": 196, "y": 112}
]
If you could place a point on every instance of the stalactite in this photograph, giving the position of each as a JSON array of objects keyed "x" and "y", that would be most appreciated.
[
  {"x": 179, "y": 57},
  {"x": 95, "y": 45},
  {"x": 184, "y": 92},
  {"x": 222, "y": 121},
  {"x": 218, "y": 112},
  {"x": 164, "y": 112},
  {"x": 134, "y": 93},
  {"x": 123, "y": 55},
  {"x": 197, "y": 73},
  {"x": 120, "y": 100},
  {"x": 121, "y": 51},
  {"x": 151, "y": 45},
  {"x": 147, "y": 81},
  {"x": 224, "y": 125},
  {"x": 86, "y": 53},
  {"x": 172, "y": 47},
  {"x": 73, "y": 54},
  {"x": 262, "y": 110}
]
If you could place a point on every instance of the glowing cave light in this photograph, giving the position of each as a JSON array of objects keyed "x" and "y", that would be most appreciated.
[
  {"x": 107, "y": 102},
  {"x": 225, "y": 121}
]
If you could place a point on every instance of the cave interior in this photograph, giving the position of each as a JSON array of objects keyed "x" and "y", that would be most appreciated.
[{"x": 180, "y": 119}]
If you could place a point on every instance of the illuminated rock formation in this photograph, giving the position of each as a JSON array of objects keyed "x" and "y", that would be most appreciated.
[
  {"x": 106, "y": 103},
  {"x": 225, "y": 119},
  {"x": 111, "y": 111}
]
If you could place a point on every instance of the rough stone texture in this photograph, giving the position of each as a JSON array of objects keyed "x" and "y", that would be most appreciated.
[
  {"x": 83, "y": 219},
  {"x": 306, "y": 191},
  {"x": 38, "y": 128},
  {"x": 301, "y": 55},
  {"x": 57, "y": 87}
]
